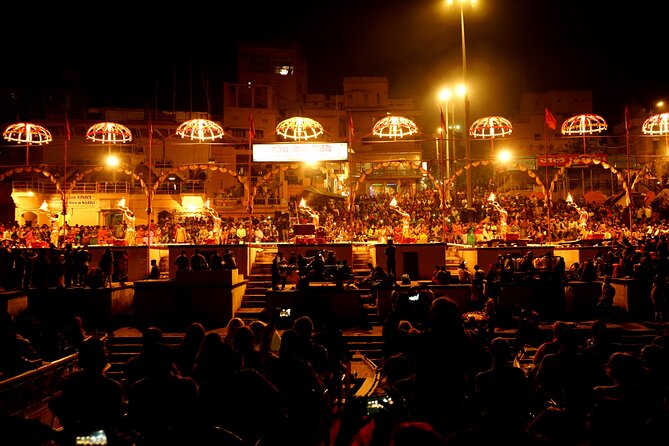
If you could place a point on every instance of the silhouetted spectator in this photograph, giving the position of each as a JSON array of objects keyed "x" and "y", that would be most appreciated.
[
  {"x": 162, "y": 402},
  {"x": 106, "y": 264},
  {"x": 187, "y": 350},
  {"x": 90, "y": 400},
  {"x": 198, "y": 261}
]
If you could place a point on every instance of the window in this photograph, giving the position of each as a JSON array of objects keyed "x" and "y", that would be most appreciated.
[
  {"x": 242, "y": 163},
  {"x": 284, "y": 70}
]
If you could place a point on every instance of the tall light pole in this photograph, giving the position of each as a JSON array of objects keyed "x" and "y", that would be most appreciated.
[
  {"x": 445, "y": 96},
  {"x": 468, "y": 155}
]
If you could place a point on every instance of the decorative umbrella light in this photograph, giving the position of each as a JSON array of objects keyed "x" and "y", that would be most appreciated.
[
  {"x": 109, "y": 132},
  {"x": 201, "y": 130},
  {"x": 656, "y": 125},
  {"x": 394, "y": 127},
  {"x": 299, "y": 128},
  {"x": 490, "y": 127},
  {"x": 585, "y": 124},
  {"x": 28, "y": 134}
]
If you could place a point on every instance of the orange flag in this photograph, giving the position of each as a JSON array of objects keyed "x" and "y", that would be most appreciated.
[{"x": 551, "y": 123}]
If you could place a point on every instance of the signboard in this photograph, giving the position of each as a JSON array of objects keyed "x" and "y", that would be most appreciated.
[
  {"x": 527, "y": 163},
  {"x": 82, "y": 200},
  {"x": 563, "y": 159},
  {"x": 313, "y": 152}
]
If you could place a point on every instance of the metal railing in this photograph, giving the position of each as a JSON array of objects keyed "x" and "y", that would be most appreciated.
[{"x": 27, "y": 392}]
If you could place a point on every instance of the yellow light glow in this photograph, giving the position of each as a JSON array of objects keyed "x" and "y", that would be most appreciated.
[
  {"x": 192, "y": 202},
  {"x": 393, "y": 202},
  {"x": 445, "y": 94},
  {"x": 31, "y": 193},
  {"x": 569, "y": 198},
  {"x": 121, "y": 203},
  {"x": 113, "y": 161},
  {"x": 303, "y": 203},
  {"x": 462, "y": 2},
  {"x": 461, "y": 90},
  {"x": 504, "y": 156},
  {"x": 44, "y": 207},
  {"x": 491, "y": 198}
]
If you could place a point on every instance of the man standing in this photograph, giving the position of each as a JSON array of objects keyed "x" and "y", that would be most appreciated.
[
  {"x": 182, "y": 262},
  {"x": 390, "y": 258},
  {"x": 241, "y": 233},
  {"x": 107, "y": 267},
  {"x": 277, "y": 264},
  {"x": 198, "y": 261}
]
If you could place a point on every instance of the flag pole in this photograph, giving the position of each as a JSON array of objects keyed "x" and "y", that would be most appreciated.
[
  {"x": 549, "y": 123},
  {"x": 149, "y": 193},
  {"x": 252, "y": 131},
  {"x": 548, "y": 200},
  {"x": 351, "y": 198},
  {"x": 630, "y": 207},
  {"x": 64, "y": 191}
]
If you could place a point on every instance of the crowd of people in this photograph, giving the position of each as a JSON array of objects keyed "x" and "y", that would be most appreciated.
[
  {"x": 445, "y": 381},
  {"x": 442, "y": 383},
  {"x": 416, "y": 218}
]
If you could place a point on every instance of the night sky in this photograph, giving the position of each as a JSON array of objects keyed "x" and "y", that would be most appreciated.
[{"x": 119, "y": 55}]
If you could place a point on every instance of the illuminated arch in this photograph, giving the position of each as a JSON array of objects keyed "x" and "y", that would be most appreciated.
[
  {"x": 416, "y": 165},
  {"x": 269, "y": 175},
  {"x": 123, "y": 168},
  {"x": 588, "y": 160},
  {"x": 530, "y": 173},
  {"x": 28, "y": 169},
  {"x": 212, "y": 167}
]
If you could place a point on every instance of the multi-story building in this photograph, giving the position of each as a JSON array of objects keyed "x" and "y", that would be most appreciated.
[{"x": 171, "y": 175}]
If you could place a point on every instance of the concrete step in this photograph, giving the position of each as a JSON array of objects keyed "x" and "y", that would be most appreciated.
[{"x": 250, "y": 312}]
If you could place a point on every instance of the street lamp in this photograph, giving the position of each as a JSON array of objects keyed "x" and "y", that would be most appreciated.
[{"x": 468, "y": 154}]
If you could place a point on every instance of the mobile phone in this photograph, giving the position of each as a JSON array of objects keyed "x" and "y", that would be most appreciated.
[
  {"x": 377, "y": 404},
  {"x": 95, "y": 438},
  {"x": 414, "y": 298},
  {"x": 284, "y": 312}
]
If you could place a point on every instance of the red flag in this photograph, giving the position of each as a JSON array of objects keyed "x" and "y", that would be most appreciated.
[
  {"x": 351, "y": 129},
  {"x": 551, "y": 123},
  {"x": 252, "y": 127},
  {"x": 68, "y": 135},
  {"x": 628, "y": 121},
  {"x": 443, "y": 123}
]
